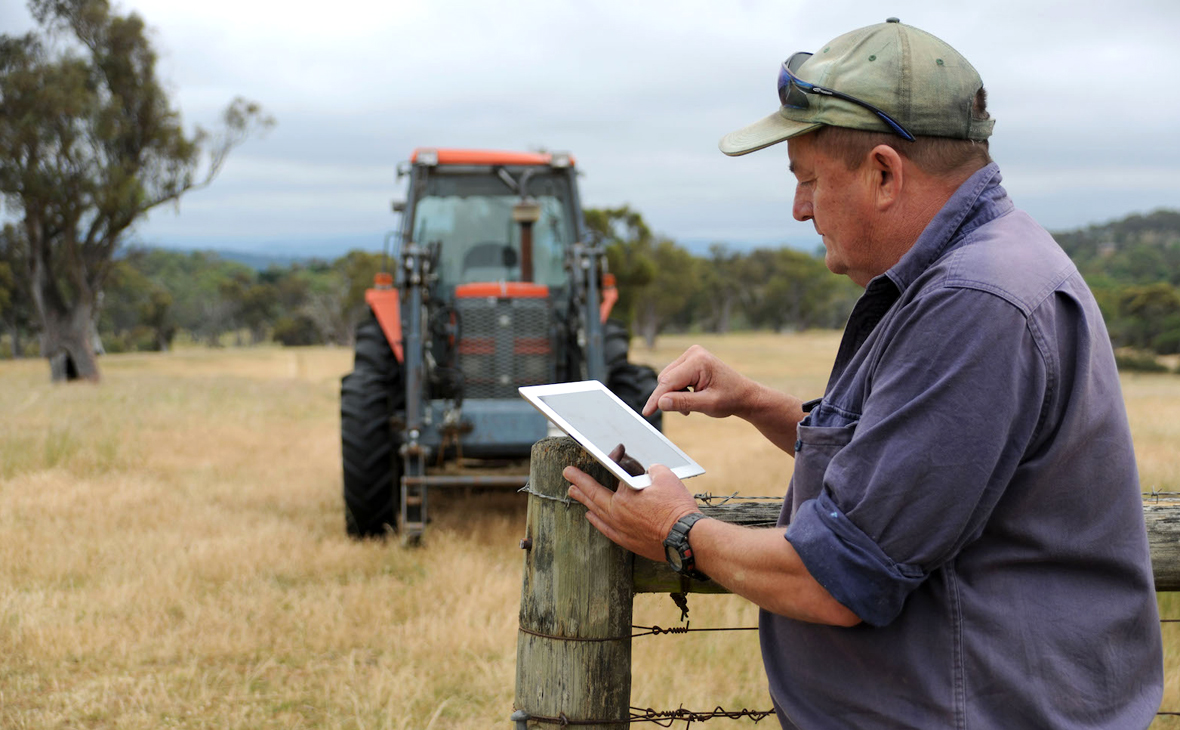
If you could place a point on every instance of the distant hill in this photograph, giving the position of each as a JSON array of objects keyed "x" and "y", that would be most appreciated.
[
  {"x": 260, "y": 253},
  {"x": 254, "y": 260},
  {"x": 1138, "y": 249},
  {"x": 261, "y": 261}
]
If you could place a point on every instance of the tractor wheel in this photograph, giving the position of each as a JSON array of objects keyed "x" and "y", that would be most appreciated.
[
  {"x": 615, "y": 343},
  {"x": 369, "y": 397},
  {"x": 632, "y": 383}
]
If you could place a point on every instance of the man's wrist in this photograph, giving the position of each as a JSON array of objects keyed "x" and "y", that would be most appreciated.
[{"x": 678, "y": 550}]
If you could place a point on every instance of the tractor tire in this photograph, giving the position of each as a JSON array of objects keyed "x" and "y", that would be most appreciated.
[
  {"x": 615, "y": 343},
  {"x": 370, "y": 396},
  {"x": 632, "y": 383}
]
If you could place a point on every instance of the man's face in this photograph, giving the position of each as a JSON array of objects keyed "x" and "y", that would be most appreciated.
[{"x": 838, "y": 202}]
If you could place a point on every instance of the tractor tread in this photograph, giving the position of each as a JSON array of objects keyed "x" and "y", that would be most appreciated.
[{"x": 369, "y": 398}]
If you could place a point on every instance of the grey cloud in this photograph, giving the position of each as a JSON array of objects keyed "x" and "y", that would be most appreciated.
[{"x": 640, "y": 92}]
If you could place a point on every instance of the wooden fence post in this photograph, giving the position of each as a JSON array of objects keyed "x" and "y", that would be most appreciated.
[{"x": 573, "y": 651}]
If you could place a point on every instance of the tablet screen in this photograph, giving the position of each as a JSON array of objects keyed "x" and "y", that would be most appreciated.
[{"x": 590, "y": 413}]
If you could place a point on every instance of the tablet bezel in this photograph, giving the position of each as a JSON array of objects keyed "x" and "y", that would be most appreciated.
[{"x": 533, "y": 394}]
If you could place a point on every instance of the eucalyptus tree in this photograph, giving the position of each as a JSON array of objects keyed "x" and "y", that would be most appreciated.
[{"x": 89, "y": 143}]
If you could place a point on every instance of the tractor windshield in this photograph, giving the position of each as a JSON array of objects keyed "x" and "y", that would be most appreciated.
[{"x": 470, "y": 215}]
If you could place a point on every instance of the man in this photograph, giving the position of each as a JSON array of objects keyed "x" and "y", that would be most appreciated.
[{"x": 964, "y": 542}]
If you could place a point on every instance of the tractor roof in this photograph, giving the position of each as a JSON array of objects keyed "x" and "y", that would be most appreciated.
[{"x": 488, "y": 157}]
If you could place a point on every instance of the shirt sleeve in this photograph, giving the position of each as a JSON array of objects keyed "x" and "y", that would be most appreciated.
[{"x": 955, "y": 395}]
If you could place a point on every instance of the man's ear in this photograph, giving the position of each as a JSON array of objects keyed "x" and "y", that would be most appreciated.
[{"x": 885, "y": 165}]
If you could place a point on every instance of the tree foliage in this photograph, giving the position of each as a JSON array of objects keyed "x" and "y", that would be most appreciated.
[
  {"x": 89, "y": 143},
  {"x": 662, "y": 286},
  {"x": 629, "y": 248},
  {"x": 17, "y": 317},
  {"x": 154, "y": 294}
]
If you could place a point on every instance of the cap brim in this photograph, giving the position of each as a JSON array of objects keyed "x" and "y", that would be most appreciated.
[{"x": 763, "y": 133}]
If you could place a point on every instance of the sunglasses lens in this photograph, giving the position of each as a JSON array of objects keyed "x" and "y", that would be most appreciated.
[
  {"x": 793, "y": 93},
  {"x": 790, "y": 95}
]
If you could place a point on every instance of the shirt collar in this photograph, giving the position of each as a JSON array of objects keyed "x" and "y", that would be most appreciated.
[{"x": 977, "y": 201}]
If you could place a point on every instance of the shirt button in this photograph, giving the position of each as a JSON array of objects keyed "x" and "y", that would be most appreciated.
[{"x": 799, "y": 445}]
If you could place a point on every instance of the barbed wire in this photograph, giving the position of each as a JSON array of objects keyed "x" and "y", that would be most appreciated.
[
  {"x": 527, "y": 489},
  {"x": 643, "y": 631},
  {"x": 708, "y": 498},
  {"x": 656, "y": 630},
  {"x": 1157, "y": 495},
  {"x": 665, "y": 718},
  {"x": 661, "y": 718}
]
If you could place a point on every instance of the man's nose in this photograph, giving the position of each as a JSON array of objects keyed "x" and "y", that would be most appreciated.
[{"x": 802, "y": 207}]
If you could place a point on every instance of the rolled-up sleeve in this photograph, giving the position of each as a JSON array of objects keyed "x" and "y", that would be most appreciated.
[{"x": 954, "y": 400}]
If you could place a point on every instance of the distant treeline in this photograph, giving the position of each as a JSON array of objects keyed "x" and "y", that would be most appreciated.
[
  {"x": 1133, "y": 267},
  {"x": 155, "y": 296}
]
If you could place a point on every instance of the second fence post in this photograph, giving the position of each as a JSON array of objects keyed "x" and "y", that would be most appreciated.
[{"x": 573, "y": 652}]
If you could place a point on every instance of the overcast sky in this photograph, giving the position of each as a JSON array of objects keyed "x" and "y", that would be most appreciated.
[{"x": 1083, "y": 93}]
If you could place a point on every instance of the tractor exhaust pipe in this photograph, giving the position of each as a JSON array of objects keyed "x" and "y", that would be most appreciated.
[{"x": 526, "y": 213}]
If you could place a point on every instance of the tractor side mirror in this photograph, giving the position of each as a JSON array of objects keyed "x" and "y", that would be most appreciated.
[{"x": 398, "y": 206}]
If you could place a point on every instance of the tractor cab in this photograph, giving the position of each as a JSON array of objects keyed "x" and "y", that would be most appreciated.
[{"x": 495, "y": 222}]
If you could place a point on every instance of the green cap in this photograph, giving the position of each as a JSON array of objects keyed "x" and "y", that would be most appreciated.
[{"x": 914, "y": 77}]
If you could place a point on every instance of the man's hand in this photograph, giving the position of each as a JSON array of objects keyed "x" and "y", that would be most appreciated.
[
  {"x": 719, "y": 391},
  {"x": 716, "y": 389},
  {"x": 636, "y": 519}
]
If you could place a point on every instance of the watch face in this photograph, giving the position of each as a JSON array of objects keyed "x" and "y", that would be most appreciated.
[{"x": 673, "y": 558}]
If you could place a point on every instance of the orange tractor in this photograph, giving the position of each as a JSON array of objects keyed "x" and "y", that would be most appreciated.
[{"x": 496, "y": 283}]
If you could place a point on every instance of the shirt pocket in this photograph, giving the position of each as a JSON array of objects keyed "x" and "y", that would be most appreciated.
[{"x": 815, "y": 448}]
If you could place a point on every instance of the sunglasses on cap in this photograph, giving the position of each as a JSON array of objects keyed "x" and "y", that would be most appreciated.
[{"x": 793, "y": 91}]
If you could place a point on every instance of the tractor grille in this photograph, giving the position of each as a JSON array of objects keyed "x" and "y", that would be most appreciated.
[{"x": 504, "y": 343}]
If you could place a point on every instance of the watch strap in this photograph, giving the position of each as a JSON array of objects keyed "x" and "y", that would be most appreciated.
[{"x": 678, "y": 540}]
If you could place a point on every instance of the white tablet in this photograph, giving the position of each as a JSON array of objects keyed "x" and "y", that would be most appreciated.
[{"x": 598, "y": 420}]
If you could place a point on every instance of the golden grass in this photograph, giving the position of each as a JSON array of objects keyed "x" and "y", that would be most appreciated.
[{"x": 172, "y": 553}]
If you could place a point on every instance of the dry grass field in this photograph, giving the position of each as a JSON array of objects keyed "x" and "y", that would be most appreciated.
[{"x": 172, "y": 554}]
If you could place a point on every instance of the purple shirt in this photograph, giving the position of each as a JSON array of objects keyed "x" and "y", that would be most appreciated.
[{"x": 967, "y": 487}]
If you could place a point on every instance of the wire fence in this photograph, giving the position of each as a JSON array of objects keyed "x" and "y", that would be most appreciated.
[{"x": 666, "y": 718}]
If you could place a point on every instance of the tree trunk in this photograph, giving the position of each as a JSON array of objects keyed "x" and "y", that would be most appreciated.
[
  {"x": 67, "y": 326},
  {"x": 17, "y": 348},
  {"x": 649, "y": 323},
  {"x": 67, "y": 341},
  {"x": 724, "y": 314}
]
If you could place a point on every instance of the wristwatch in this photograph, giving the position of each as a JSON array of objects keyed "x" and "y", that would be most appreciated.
[{"x": 677, "y": 549}]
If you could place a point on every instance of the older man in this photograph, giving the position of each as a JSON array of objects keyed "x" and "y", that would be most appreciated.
[{"x": 964, "y": 540}]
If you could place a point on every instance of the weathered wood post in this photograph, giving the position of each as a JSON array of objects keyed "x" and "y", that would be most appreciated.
[{"x": 573, "y": 651}]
